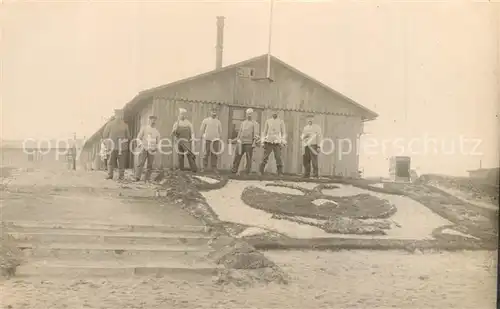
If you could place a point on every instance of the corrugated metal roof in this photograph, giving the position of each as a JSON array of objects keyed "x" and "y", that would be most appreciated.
[{"x": 370, "y": 115}]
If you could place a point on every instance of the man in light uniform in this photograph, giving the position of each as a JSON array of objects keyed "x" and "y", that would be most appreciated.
[
  {"x": 148, "y": 139},
  {"x": 311, "y": 139},
  {"x": 273, "y": 139},
  {"x": 116, "y": 136},
  {"x": 184, "y": 133},
  {"x": 104, "y": 154},
  {"x": 247, "y": 138},
  {"x": 211, "y": 132}
]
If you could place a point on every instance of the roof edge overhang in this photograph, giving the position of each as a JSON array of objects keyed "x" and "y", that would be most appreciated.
[{"x": 366, "y": 114}]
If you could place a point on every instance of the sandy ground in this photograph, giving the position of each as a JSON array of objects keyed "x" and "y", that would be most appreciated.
[
  {"x": 415, "y": 220},
  {"x": 345, "y": 279}
]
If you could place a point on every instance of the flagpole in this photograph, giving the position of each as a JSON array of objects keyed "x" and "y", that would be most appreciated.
[{"x": 268, "y": 75}]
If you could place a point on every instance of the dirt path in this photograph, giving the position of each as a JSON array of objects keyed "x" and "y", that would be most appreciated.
[
  {"x": 78, "y": 225},
  {"x": 66, "y": 196},
  {"x": 345, "y": 279}
]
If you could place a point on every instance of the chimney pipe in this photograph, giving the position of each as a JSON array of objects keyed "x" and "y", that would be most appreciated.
[{"x": 220, "y": 39}]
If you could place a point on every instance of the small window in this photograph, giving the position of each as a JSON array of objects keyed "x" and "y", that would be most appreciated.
[
  {"x": 246, "y": 72},
  {"x": 239, "y": 114}
]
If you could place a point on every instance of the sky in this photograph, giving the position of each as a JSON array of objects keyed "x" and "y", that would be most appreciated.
[{"x": 429, "y": 69}]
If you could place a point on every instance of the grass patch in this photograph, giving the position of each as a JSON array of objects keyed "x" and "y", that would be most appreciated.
[
  {"x": 362, "y": 206},
  {"x": 342, "y": 225}
]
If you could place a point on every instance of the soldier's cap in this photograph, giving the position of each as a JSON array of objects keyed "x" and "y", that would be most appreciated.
[
  {"x": 182, "y": 111},
  {"x": 153, "y": 117},
  {"x": 249, "y": 111}
]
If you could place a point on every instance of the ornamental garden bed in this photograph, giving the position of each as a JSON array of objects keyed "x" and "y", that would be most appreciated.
[
  {"x": 366, "y": 211},
  {"x": 314, "y": 204}
]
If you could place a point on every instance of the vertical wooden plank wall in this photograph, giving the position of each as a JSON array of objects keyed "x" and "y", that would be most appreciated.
[
  {"x": 333, "y": 127},
  {"x": 168, "y": 111}
]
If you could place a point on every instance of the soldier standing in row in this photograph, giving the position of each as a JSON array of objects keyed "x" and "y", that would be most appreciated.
[
  {"x": 116, "y": 136},
  {"x": 247, "y": 138},
  {"x": 184, "y": 132},
  {"x": 311, "y": 139},
  {"x": 148, "y": 139},
  {"x": 104, "y": 154},
  {"x": 273, "y": 139},
  {"x": 211, "y": 132}
]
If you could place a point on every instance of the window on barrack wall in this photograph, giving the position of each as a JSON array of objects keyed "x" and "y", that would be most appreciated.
[{"x": 237, "y": 116}]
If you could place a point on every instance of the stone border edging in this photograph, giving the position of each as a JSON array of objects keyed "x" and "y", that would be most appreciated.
[
  {"x": 364, "y": 244},
  {"x": 439, "y": 235}
]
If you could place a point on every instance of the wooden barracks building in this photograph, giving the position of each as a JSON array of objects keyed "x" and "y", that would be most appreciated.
[{"x": 265, "y": 84}]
